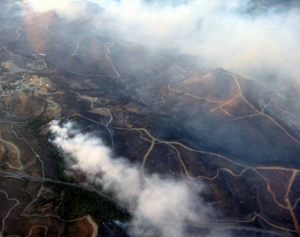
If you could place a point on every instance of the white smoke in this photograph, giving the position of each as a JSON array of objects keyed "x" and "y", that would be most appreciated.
[
  {"x": 217, "y": 31},
  {"x": 159, "y": 206},
  {"x": 65, "y": 8}
]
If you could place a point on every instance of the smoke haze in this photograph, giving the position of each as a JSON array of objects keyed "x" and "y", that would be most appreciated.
[
  {"x": 221, "y": 33},
  {"x": 159, "y": 206}
]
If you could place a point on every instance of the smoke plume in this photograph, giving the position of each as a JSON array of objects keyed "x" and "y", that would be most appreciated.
[{"x": 159, "y": 206}]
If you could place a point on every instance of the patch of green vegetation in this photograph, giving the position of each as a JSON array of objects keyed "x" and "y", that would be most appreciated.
[
  {"x": 78, "y": 202},
  {"x": 36, "y": 123},
  {"x": 61, "y": 171}
]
